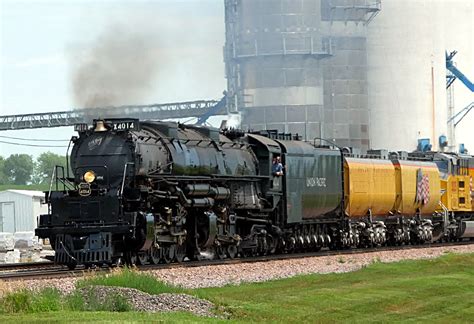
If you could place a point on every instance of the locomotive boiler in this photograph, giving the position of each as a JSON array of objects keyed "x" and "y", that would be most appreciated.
[{"x": 149, "y": 192}]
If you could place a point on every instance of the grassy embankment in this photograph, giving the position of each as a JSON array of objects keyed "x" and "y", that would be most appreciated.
[{"x": 440, "y": 290}]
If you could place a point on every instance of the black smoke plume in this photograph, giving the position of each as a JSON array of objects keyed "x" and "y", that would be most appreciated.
[{"x": 117, "y": 68}]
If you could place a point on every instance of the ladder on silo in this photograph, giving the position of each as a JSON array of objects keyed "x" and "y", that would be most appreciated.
[
  {"x": 452, "y": 74},
  {"x": 450, "y": 102}
]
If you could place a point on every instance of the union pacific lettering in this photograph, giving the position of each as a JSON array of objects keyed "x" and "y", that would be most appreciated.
[{"x": 315, "y": 182}]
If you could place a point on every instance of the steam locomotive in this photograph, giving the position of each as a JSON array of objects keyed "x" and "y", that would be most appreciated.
[{"x": 149, "y": 192}]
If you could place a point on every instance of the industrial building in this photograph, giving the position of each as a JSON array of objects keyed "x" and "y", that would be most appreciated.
[
  {"x": 19, "y": 210},
  {"x": 301, "y": 66}
]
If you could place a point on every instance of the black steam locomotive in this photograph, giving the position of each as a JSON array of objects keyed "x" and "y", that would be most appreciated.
[{"x": 159, "y": 192}]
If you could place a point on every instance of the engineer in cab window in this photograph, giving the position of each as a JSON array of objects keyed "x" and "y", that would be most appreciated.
[{"x": 277, "y": 167}]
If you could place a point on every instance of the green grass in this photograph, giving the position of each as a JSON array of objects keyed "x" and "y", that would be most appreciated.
[
  {"x": 104, "y": 317},
  {"x": 50, "y": 300},
  {"x": 439, "y": 290}
]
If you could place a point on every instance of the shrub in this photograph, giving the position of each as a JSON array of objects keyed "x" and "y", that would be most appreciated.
[
  {"x": 15, "y": 302},
  {"x": 117, "y": 303},
  {"x": 75, "y": 301},
  {"x": 46, "y": 300},
  {"x": 26, "y": 301},
  {"x": 86, "y": 299},
  {"x": 129, "y": 278},
  {"x": 50, "y": 300}
]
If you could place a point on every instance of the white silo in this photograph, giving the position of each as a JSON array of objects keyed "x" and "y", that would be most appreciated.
[
  {"x": 459, "y": 31},
  {"x": 406, "y": 46}
]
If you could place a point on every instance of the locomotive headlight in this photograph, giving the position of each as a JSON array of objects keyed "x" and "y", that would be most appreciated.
[{"x": 89, "y": 176}]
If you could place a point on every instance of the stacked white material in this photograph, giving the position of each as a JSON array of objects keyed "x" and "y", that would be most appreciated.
[
  {"x": 7, "y": 243},
  {"x": 46, "y": 254},
  {"x": 28, "y": 245},
  {"x": 46, "y": 244},
  {"x": 10, "y": 256},
  {"x": 30, "y": 256},
  {"x": 26, "y": 241}
]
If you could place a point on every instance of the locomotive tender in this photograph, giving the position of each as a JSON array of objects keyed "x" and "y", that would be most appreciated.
[{"x": 150, "y": 192}]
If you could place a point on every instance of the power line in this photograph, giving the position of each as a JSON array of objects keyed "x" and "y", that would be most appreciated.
[
  {"x": 35, "y": 145},
  {"x": 33, "y": 139}
]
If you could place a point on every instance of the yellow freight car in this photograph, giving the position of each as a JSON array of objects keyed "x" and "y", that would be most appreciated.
[
  {"x": 418, "y": 187},
  {"x": 370, "y": 187}
]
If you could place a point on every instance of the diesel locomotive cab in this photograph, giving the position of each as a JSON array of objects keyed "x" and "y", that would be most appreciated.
[{"x": 87, "y": 220}]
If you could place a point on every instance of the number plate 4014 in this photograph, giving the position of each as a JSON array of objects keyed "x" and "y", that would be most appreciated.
[{"x": 125, "y": 125}]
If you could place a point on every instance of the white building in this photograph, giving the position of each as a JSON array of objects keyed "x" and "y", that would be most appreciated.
[{"x": 19, "y": 210}]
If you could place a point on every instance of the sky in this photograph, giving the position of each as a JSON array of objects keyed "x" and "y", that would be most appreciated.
[{"x": 43, "y": 42}]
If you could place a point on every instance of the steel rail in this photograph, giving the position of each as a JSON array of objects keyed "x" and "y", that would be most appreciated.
[{"x": 24, "y": 265}]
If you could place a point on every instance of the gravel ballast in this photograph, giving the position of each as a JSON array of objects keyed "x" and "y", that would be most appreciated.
[
  {"x": 234, "y": 274},
  {"x": 167, "y": 302},
  {"x": 221, "y": 275}
]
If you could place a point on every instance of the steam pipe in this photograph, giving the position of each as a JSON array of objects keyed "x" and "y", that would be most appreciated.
[{"x": 207, "y": 190}]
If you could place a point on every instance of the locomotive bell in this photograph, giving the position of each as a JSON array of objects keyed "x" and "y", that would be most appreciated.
[{"x": 100, "y": 126}]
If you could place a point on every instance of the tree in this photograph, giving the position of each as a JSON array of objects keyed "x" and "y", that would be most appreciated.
[
  {"x": 3, "y": 175},
  {"x": 19, "y": 168},
  {"x": 45, "y": 164}
]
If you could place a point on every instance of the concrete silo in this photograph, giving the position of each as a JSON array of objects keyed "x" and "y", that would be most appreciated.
[
  {"x": 406, "y": 46},
  {"x": 299, "y": 66},
  {"x": 346, "y": 111}
]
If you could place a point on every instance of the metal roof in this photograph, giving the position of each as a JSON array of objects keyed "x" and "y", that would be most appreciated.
[
  {"x": 30, "y": 193},
  {"x": 271, "y": 145}
]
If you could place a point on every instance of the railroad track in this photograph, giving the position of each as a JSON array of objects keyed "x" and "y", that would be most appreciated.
[
  {"x": 55, "y": 271},
  {"x": 24, "y": 265}
]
